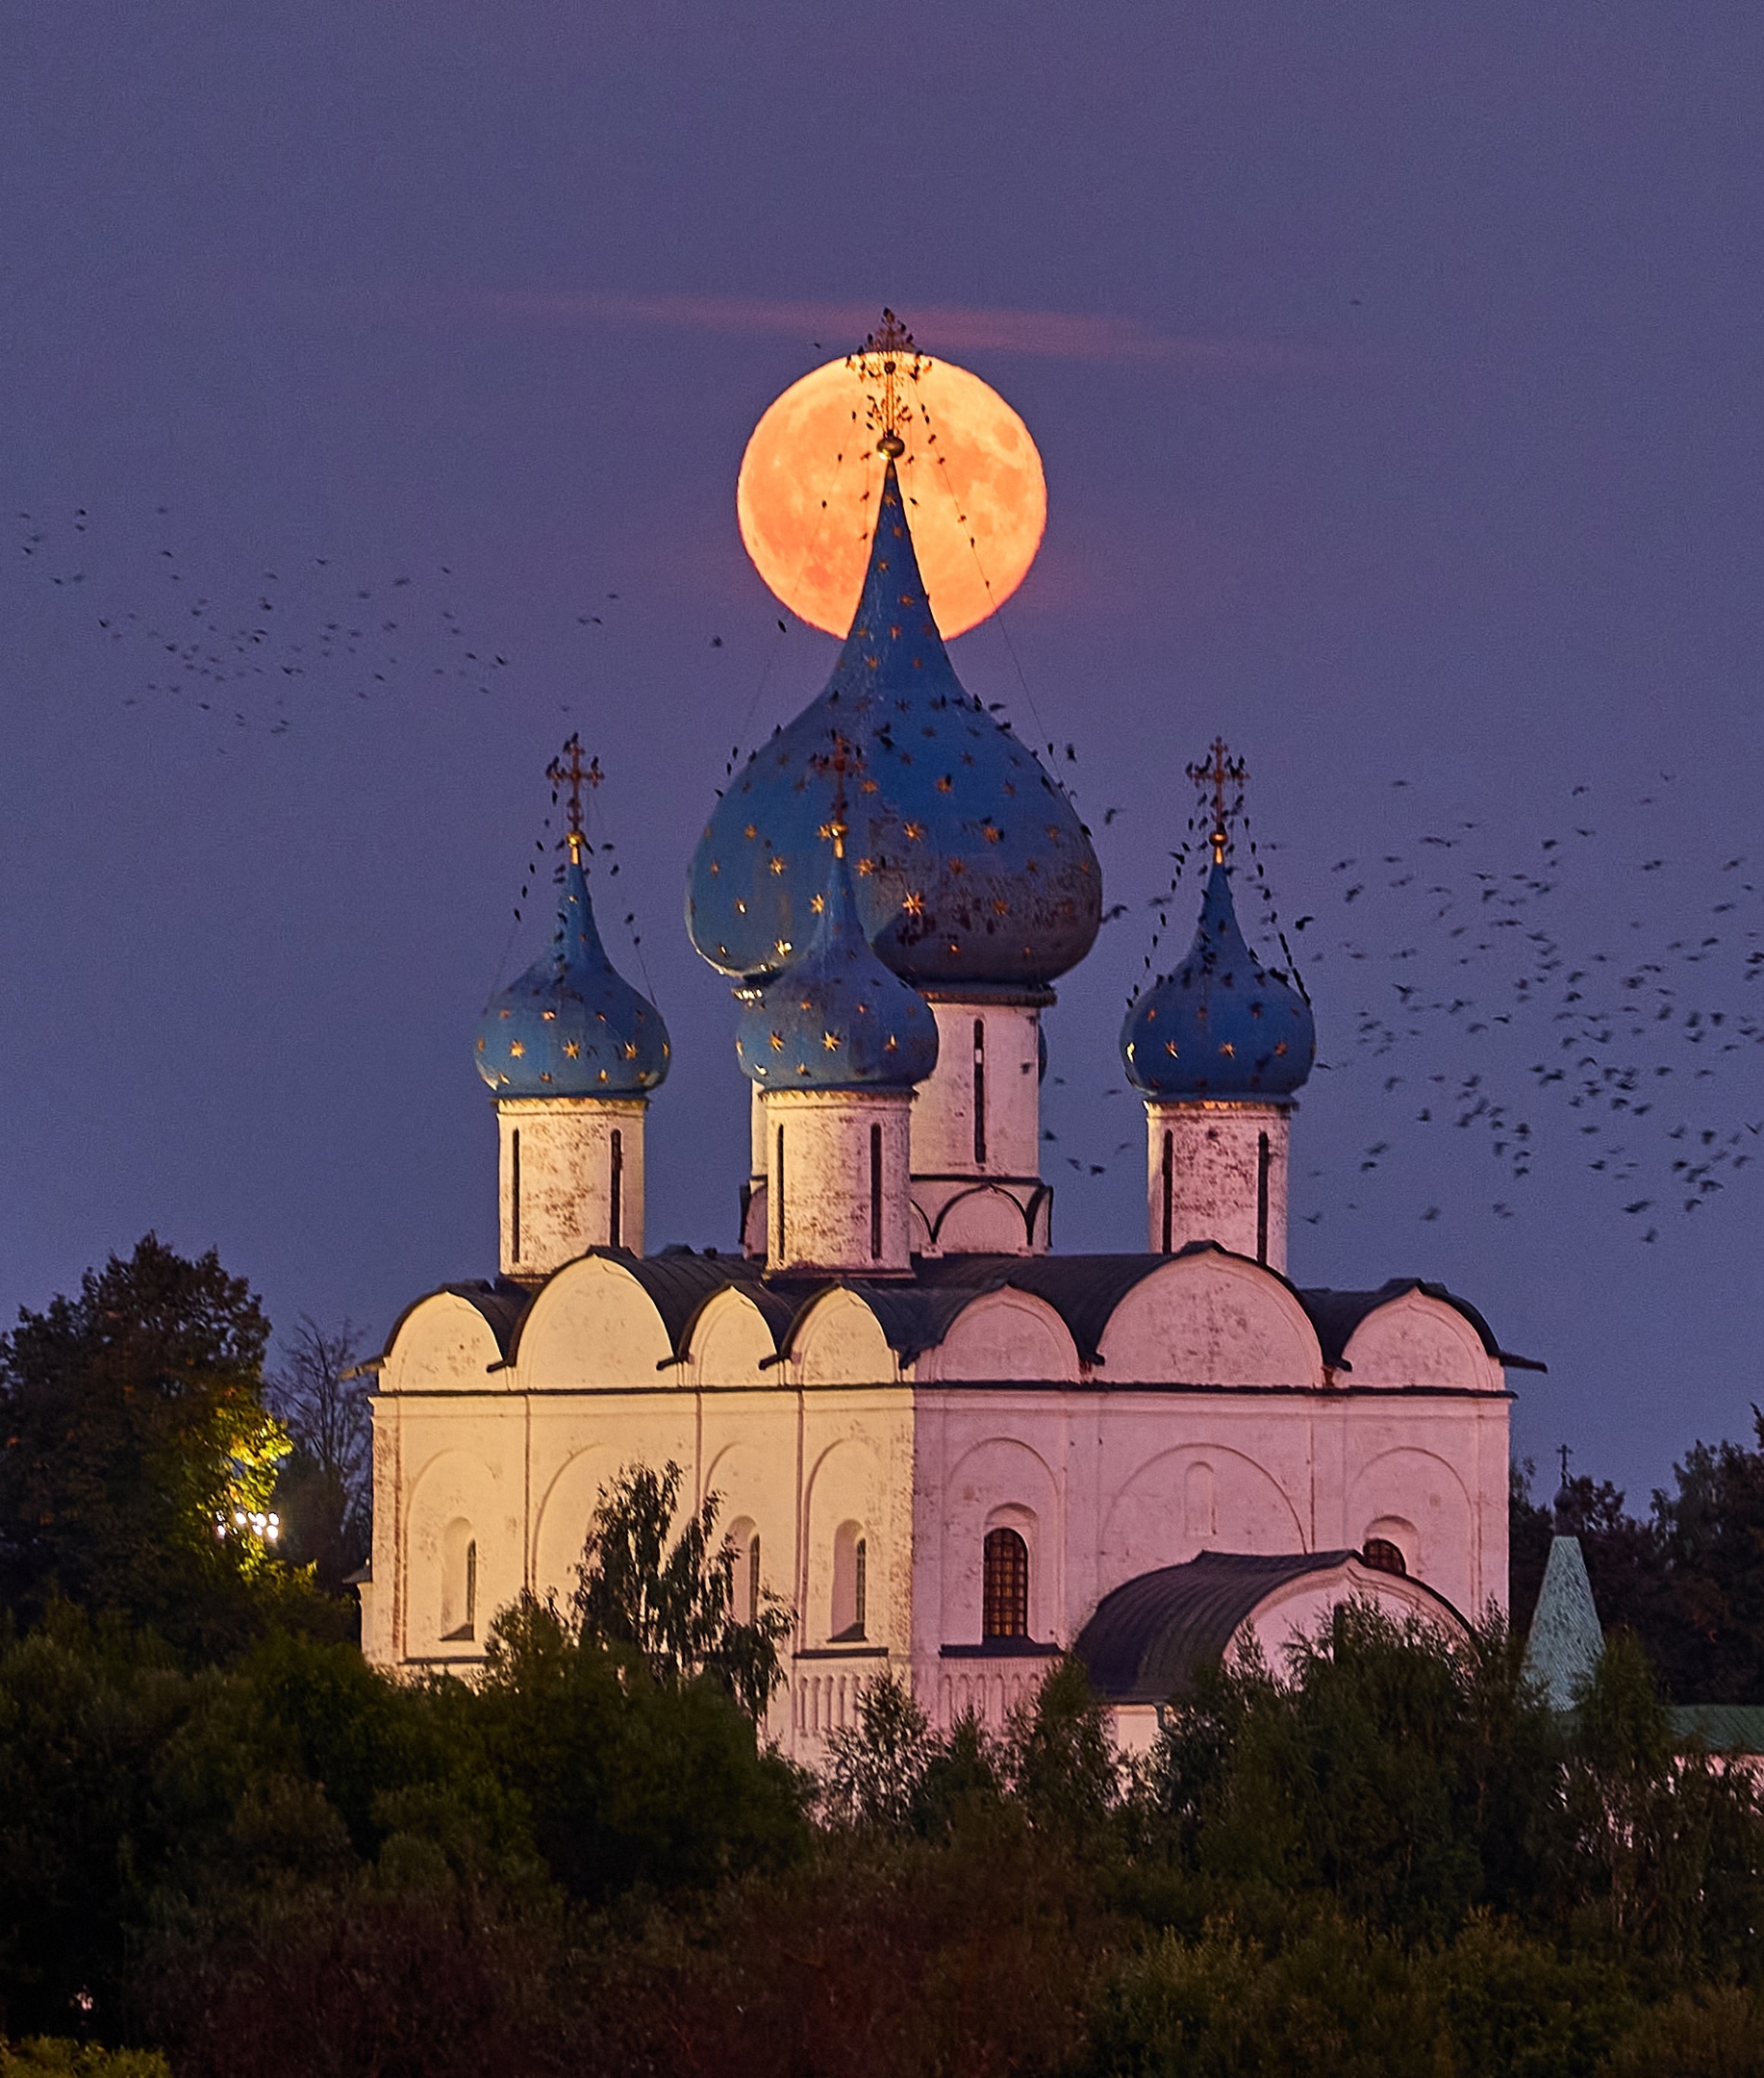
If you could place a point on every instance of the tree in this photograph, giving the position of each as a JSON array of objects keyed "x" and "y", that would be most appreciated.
[
  {"x": 323, "y": 1493},
  {"x": 877, "y": 1766},
  {"x": 1688, "y": 1581},
  {"x": 670, "y": 1596},
  {"x": 137, "y": 1456}
]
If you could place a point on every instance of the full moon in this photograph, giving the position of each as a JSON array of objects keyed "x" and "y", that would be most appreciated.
[{"x": 976, "y": 498}]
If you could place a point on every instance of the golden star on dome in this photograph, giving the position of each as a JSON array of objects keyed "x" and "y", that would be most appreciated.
[
  {"x": 515, "y": 1049},
  {"x": 630, "y": 1050},
  {"x": 914, "y": 831},
  {"x": 914, "y": 904},
  {"x": 573, "y": 1050},
  {"x": 817, "y": 904},
  {"x": 777, "y": 864},
  {"x": 777, "y": 1042},
  {"x": 830, "y": 1040}
]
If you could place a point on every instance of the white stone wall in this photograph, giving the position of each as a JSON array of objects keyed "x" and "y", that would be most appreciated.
[
  {"x": 570, "y": 1177},
  {"x": 1203, "y": 1171},
  {"x": 1210, "y": 1423},
  {"x": 976, "y": 1133},
  {"x": 836, "y": 1189}
]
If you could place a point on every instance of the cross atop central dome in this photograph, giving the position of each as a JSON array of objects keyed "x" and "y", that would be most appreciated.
[{"x": 971, "y": 870}]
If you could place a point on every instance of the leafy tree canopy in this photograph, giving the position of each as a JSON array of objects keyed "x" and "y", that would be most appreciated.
[
  {"x": 669, "y": 1594},
  {"x": 136, "y": 1454}
]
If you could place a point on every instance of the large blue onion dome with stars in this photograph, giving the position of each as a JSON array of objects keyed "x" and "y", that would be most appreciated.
[
  {"x": 1221, "y": 1024},
  {"x": 571, "y": 1025},
  {"x": 836, "y": 1018},
  {"x": 970, "y": 868}
]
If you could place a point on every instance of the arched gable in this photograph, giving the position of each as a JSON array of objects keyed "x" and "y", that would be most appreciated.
[
  {"x": 563, "y": 1516},
  {"x": 1416, "y": 1340},
  {"x": 1004, "y": 1336},
  {"x": 444, "y": 1344},
  {"x": 999, "y": 1483},
  {"x": 455, "y": 1489},
  {"x": 839, "y": 1341},
  {"x": 1149, "y": 1520},
  {"x": 729, "y": 1343},
  {"x": 1210, "y": 1318},
  {"x": 1419, "y": 1487},
  {"x": 846, "y": 1497},
  {"x": 592, "y": 1324}
]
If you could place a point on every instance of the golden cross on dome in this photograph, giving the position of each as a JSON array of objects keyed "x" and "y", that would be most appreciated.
[
  {"x": 843, "y": 757},
  {"x": 569, "y": 771},
  {"x": 890, "y": 359},
  {"x": 1220, "y": 772}
]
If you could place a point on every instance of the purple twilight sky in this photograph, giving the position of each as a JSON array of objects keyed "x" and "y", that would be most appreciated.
[{"x": 1396, "y": 373}]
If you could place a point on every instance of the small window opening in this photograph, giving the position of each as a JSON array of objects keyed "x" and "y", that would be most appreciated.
[
  {"x": 459, "y": 1583},
  {"x": 615, "y": 1191},
  {"x": 752, "y": 1614},
  {"x": 979, "y": 1089},
  {"x": 515, "y": 1195},
  {"x": 1169, "y": 1189},
  {"x": 875, "y": 1191},
  {"x": 850, "y": 1610},
  {"x": 1384, "y": 1557},
  {"x": 1263, "y": 1161},
  {"x": 1005, "y": 1591}
]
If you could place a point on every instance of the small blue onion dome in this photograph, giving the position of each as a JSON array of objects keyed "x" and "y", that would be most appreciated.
[
  {"x": 836, "y": 1018},
  {"x": 973, "y": 868},
  {"x": 572, "y": 1026},
  {"x": 1219, "y": 1026}
]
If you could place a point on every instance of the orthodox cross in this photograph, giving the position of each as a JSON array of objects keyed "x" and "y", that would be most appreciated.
[
  {"x": 571, "y": 771},
  {"x": 1565, "y": 1454},
  {"x": 842, "y": 758},
  {"x": 1223, "y": 771},
  {"x": 889, "y": 358}
]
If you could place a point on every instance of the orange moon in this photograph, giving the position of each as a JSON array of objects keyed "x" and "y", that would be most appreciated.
[{"x": 976, "y": 498}]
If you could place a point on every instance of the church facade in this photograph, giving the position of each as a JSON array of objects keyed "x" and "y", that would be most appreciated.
[{"x": 953, "y": 1452}]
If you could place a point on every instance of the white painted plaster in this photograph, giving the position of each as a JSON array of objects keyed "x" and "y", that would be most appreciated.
[
  {"x": 1212, "y": 1189},
  {"x": 581, "y": 1178}
]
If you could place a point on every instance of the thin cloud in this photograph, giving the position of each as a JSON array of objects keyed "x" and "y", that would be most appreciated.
[
  {"x": 1049, "y": 335},
  {"x": 1054, "y": 335}
]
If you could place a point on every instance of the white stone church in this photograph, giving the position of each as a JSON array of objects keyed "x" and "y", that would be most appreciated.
[{"x": 954, "y": 1452}]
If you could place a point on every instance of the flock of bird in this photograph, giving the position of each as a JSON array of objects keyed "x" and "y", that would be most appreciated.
[{"x": 1626, "y": 1031}]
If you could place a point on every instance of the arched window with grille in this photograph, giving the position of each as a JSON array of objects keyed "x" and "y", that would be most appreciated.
[
  {"x": 1383, "y": 1555},
  {"x": 1005, "y": 1595}
]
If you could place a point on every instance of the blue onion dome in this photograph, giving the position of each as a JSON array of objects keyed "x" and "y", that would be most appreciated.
[
  {"x": 973, "y": 871},
  {"x": 572, "y": 1026},
  {"x": 1219, "y": 1026},
  {"x": 836, "y": 1018}
]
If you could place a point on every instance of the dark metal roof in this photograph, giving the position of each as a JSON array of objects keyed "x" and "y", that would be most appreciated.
[
  {"x": 1721, "y": 1727},
  {"x": 1336, "y": 1314},
  {"x": 1148, "y": 1639},
  {"x": 917, "y": 1313}
]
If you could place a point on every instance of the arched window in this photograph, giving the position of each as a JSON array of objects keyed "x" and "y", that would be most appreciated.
[
  {"x": 1384, "y": 1557},
  {"x": 742, "y": 1552},
  {"x": 850, "y": 1585},
  {"x": 459, "y": 1613},
  {"x": 1202, "y": 1508},
  {"x": 1005, "y": 1596}
]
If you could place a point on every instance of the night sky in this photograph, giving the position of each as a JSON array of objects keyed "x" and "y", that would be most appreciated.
[{"x": 1396, "y": 369}]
